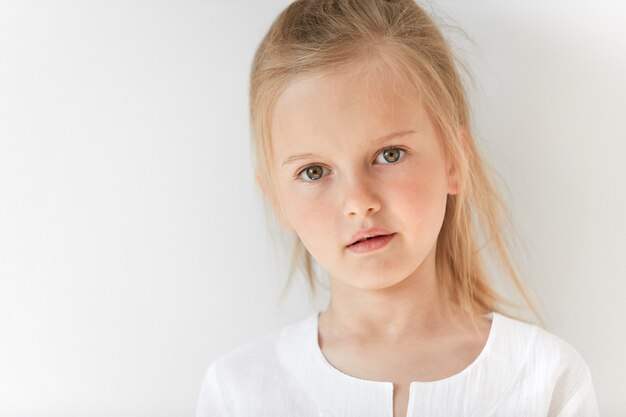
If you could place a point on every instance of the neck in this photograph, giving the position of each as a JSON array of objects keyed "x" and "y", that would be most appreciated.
[{"x": 414, "y": 306}]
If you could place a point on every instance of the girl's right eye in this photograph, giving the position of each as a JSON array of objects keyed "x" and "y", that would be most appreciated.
[{"x": 312, "y": 172}]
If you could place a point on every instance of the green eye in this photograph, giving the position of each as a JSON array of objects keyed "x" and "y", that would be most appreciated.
[
  {"x": 313, "y": 173},
  {"x": 392, "y": 155}
]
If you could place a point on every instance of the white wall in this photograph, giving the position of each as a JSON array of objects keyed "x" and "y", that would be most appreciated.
[{"x": 132, "y": 244}]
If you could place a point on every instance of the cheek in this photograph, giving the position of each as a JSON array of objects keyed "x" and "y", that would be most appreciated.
[
  {"x": 422, "y": 196},
  {"x": 309, "y": 212}
]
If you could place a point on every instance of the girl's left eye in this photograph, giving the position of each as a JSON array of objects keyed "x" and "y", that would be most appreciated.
[
  {"x": 314, "y": 172},
  {"x": 393, "y": 153}
]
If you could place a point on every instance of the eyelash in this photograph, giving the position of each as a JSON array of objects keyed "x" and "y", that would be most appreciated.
[{"x": 298, "y": 175}]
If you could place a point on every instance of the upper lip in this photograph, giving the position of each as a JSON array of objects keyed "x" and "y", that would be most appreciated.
[{"x": 365, "y": 233}]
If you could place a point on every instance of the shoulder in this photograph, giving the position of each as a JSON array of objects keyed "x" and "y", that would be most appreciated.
[
  {"x": 243, "y": 380},
  {"x": 538, "y": 347},
  {"x": 260, "y": 360},
  {"x": 550, "y": 365},
  {"x": 233, "y": 374},
  {"x": 541, "y": 347},
  {"x": 255, "y": 354}
]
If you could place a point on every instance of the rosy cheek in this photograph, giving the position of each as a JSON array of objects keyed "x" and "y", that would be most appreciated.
[
  {"x": 414, "y": 194},
  {"x": 308, "y": 208}
]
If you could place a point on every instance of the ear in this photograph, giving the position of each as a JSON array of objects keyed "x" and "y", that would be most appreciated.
[
  {"x": 453, "y": 183},
  {"x": 265, "y": 189}
]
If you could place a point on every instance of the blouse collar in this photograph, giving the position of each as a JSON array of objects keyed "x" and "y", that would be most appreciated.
[
  {"x": 338, "y": 394},
  {"x": 313, "y": 341}
]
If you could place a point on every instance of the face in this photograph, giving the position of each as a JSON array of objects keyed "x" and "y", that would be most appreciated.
[{"x": 357, "y": 174}]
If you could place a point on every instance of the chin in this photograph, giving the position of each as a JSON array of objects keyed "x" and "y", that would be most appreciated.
[{"x": 374, "y": 282}]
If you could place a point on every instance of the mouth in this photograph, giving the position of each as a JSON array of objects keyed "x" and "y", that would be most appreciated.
[
  {"x": 366, "y": 238},
  {"x": 365, "y": 235},
  {"x": 371, "y": 243}
]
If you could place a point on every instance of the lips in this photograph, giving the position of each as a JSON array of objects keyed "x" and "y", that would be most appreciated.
[
  {"x": 368, "y": 233},
  {"x": 371, "y": 244}
]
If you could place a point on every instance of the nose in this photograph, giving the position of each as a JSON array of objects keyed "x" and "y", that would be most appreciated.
[{"x": 360, "y": 197}]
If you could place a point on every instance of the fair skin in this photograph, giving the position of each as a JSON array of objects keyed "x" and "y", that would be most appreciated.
[{"x": 387, "y": 319}]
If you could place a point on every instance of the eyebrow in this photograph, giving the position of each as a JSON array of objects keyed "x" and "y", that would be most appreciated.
[{"x": 381, "y": 139}]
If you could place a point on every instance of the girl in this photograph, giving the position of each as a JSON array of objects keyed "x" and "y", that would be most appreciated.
[{"x": 365, "y": 152}]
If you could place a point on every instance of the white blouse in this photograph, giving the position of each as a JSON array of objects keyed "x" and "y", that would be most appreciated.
[{"x": 522, "y": 370}]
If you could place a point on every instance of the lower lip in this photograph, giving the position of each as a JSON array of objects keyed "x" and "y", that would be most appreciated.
[{"x": 371, "y": 244}]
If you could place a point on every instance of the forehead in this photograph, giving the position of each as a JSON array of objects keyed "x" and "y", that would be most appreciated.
[{"x": 362, "y": 101}]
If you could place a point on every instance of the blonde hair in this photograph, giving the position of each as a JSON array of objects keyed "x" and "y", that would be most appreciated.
[{"x": 315, "y": 36}]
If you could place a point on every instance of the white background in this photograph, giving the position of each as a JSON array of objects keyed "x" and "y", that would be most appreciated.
[{"x": 133, "y": 248}]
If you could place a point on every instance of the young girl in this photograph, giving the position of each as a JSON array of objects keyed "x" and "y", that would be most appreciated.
[{"x": 365, "y": 151}]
